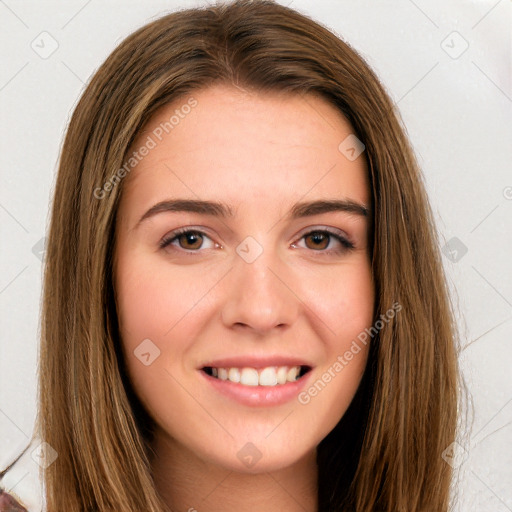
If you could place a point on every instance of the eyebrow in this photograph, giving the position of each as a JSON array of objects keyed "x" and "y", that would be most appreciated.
[{"x": 219, "y": 209}]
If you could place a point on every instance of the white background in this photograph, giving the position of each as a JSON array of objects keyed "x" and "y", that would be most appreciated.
[{"x": 456, "y": 106}]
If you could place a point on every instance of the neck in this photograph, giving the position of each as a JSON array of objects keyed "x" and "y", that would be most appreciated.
[{"x": 190, "y": 484}]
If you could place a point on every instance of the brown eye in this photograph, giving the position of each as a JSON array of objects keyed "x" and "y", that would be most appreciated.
[
  {"x": 319, "y": 240},
  {"x": 190, "y": 240},
  {"x": 326, "y": 242},
  {"x": 187, "y": 240}
]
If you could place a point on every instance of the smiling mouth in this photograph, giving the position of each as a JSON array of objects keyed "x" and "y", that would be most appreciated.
[{"x": 268, "y": 376}]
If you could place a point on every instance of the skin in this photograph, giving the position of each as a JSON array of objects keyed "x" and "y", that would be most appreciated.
[{"x": 259, "y": 153}]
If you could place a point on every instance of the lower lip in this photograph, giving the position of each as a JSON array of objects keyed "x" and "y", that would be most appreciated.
[{"x": 257, "y": 396}]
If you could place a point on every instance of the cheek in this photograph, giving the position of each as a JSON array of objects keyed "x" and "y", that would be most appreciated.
[
  {"x": 147, "y": 305},
  {"x": 345, "y": 301},
  {"x": 150, "y": 300},
  {"x": 150, "y": 305},
  {"x": 356, "y": 315},
  {"x": 159, "y": 312},
  {"x": 346, "y": 310},
  {"x": 143, "y": 302}
]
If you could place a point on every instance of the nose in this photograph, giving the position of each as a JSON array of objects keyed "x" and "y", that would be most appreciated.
[{"x": 259, "y": 296}]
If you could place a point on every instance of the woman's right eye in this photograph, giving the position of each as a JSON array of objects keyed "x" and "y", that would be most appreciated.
[{"x": 190, "y": 240}]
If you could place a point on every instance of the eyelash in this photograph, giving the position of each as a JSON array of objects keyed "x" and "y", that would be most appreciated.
[{"x": 346, "y": 244}]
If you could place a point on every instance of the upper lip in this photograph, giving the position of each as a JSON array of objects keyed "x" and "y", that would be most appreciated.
[{"x": 255, "y": 362}]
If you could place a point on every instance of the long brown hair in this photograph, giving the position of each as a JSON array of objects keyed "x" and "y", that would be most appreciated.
[{"x": 385, "y": 453}]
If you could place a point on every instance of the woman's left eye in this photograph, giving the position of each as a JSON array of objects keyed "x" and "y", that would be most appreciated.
[
  {"x": 318, "y": 240},
  {"x": 321, "y": 240}
]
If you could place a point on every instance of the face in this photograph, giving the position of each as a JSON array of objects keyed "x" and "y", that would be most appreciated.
[{"x": 240, "y": 284}]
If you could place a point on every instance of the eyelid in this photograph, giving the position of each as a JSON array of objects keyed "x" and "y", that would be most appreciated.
[{"x": 328, "y": 229}]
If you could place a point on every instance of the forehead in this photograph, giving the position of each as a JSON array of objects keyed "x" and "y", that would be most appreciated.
[{"x": 239, "y": 146}]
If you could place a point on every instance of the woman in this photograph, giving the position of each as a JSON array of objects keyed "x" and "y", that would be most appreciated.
[{"x": 312, "y": 366}]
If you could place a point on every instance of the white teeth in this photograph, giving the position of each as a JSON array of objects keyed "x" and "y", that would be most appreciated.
[
  {"x": 249, "y": 377},
  {"x": 234, "y": 375},
  {"x": 269, "y": 376},
  {"x": 292, "y": 373},
  {"x": 282, "y": 372}
]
